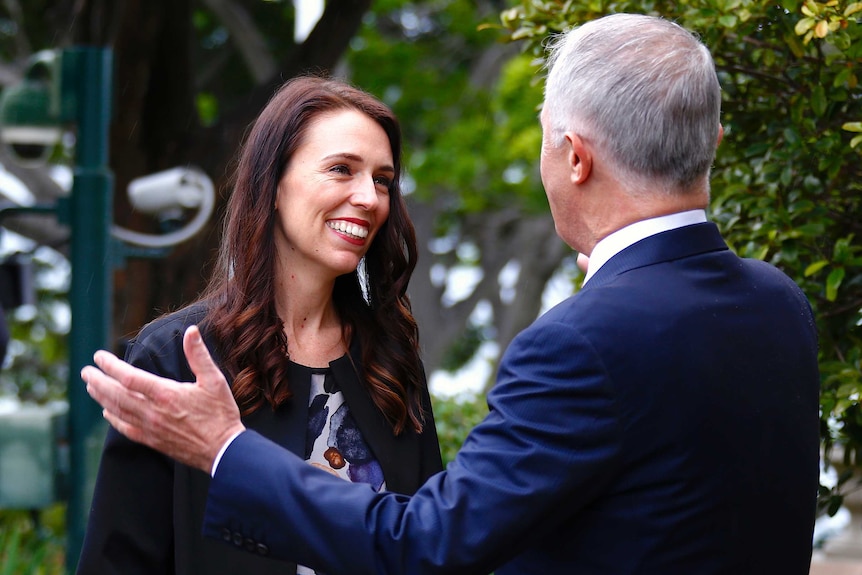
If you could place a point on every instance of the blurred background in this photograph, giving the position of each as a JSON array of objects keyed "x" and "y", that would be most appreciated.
[{"x": 126, "y": 90}]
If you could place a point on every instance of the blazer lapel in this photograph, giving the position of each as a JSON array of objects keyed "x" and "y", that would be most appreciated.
[{"x": 399, "y": 457}]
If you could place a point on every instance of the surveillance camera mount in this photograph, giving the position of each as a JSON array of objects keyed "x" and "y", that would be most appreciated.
[{"x": 164, "y": 192}]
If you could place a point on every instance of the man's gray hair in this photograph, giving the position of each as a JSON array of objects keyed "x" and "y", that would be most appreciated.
[{"x": 642, "y": 89}]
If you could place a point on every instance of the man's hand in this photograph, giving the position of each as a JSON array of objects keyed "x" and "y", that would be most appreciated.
[
  {"x": 583, "y": 262},
  {"x": 186, "y": 421}
]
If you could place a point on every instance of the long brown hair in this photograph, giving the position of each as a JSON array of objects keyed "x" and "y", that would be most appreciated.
[{"x": 241, "y": 294}]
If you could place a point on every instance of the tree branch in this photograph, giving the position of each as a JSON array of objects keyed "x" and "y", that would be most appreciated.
[
  {"x": 246, "y": 37},
  {"x": 332, "y": 34}
]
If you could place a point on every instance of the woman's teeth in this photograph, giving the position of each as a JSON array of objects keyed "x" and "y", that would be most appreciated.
[{"x": 348, "y": 228}]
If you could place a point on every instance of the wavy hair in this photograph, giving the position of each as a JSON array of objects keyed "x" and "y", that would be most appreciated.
[{"x": 241, "y": 294}]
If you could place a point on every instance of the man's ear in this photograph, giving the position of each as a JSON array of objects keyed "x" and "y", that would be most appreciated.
[
  {"x": 720, "y": 135},
  {"x": 580, "y": 158}
]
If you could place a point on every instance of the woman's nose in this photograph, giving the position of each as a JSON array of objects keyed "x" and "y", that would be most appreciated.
[{"x": 365, "y": 194}]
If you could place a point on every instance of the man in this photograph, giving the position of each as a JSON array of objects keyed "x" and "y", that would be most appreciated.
[{"x": 662, "y": 420}]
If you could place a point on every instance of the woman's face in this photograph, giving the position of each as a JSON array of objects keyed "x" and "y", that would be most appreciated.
[{"x": 334, "y": 194}]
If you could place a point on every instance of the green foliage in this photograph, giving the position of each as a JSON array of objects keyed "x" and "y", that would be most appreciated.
[
  {"x": 787, "y": 181},
  {"x": 32, "y": 543},
  {"x": 455, "y": 417},
  {"x": 207, "y": 107},
  {"x": 464, "y": 348},
  {"x": 463, "y": 133}
]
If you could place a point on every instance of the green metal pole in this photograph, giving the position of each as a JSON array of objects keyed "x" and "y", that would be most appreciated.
[{"x": 90, "y": 293}]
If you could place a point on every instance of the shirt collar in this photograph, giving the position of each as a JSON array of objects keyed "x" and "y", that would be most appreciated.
[{"x": 616, "y": 242}]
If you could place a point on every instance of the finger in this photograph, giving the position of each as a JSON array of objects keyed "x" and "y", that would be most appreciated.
[
  {"x": 200, "y": 360},
  {"x": 102, "y": 388},
  {"x": 124, "y": 405},
  {"x": 126, "y": 375},
  {"x": 89, "y": 374},
  {"x": 139, "y": 381},
  {"x": 132, "y": 432}
]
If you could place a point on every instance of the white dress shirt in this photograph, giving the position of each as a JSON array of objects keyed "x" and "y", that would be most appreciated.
[{"x": 621, "y": 239}]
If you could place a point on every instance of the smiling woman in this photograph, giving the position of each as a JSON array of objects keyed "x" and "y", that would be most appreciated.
[
  {"x": 319, "y": 359},
  {"x": 331, "y": 205}
]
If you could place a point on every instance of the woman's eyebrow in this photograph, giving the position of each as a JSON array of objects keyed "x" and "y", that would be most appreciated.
[{"x": 355, "y": 158}]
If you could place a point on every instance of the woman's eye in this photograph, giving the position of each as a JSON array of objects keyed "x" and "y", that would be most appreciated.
[
  {"x": 341, "y": 169},
  {"x": 383, "y": 181}
]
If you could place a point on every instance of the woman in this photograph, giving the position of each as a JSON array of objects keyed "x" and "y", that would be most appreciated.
[{"x": 306, "y": 314}]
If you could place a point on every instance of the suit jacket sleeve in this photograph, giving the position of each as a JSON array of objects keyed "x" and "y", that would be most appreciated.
[{"x": 550, "y": 438}]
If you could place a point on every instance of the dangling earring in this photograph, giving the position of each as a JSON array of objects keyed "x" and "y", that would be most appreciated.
[{"x": 364, "y": 282}]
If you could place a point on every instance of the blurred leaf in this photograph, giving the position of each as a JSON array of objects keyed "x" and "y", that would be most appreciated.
[
  {"x": 815, "y": 267},
  {"x": 833, "y": 282},
  {"x": 818, "y": 100}
]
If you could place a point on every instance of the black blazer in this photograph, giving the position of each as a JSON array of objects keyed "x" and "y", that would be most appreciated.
[{"x": 148, "y": 510}]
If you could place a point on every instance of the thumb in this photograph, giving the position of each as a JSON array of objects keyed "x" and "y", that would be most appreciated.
[{"x": 200, "y": 361}]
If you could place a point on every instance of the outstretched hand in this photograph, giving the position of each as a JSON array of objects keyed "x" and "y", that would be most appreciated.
[{"x": 186, "y": 421}]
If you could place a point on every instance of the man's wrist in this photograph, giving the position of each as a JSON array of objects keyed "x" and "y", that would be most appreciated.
[{"x": 222, "y": 451}]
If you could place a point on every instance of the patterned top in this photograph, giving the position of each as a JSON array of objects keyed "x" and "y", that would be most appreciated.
[{"x": 333, "y": 441}]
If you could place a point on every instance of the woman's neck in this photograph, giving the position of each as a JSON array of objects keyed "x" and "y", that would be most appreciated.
[{"x": 311, "y": 323}]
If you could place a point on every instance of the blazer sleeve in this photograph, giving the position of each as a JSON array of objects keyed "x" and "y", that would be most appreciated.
[
  {"x": 130, "y": 526},
  {"x": 551, "y": 439}
]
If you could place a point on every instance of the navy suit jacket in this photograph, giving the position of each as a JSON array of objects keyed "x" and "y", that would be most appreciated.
[{"x": 662, "y": 420}]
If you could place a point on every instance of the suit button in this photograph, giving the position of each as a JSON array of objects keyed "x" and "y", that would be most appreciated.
[
  {"x": 237, "y": 538},
  {"x": 249, "y": 545},
  {"x": 225, "y": 534},
  {"x": 262, "y": 549}
]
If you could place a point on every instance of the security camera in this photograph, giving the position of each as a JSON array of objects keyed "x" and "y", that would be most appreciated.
[
  {"x": 30, "y": 111},
  {"x": 30, "y": 145},
  {"x": 165, "y": 193}
]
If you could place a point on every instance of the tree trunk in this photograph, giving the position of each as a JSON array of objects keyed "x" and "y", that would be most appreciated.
[{"x": 502, "y": 237}]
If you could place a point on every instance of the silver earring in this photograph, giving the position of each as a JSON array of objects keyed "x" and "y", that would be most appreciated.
[{"x": 364, "y": 282}]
